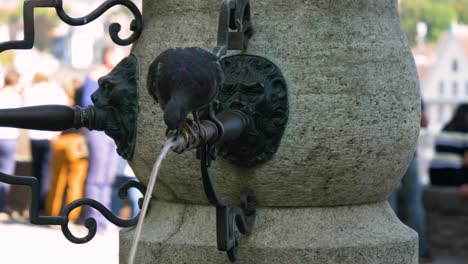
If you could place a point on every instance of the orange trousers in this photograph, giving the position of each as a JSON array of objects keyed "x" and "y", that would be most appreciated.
[{"x": 69, "y": 168}]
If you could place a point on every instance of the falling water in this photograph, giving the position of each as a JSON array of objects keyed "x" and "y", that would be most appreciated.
[{"x": 154, "y": 173}]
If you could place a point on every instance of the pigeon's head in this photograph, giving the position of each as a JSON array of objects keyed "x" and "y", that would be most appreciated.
[{"x": 175, "y": 114}]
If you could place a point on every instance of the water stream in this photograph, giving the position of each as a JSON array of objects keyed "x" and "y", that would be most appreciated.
[{"x": 154, "y": 173}]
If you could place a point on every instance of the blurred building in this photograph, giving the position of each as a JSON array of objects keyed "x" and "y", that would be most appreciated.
[
  {"x": 443, "y": 74},
  {"x": 9, "y": 4}
]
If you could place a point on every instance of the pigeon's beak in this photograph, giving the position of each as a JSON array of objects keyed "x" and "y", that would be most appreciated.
[
  {"x": 172, "y": 133},
  {"x": 184, "y": 138}
]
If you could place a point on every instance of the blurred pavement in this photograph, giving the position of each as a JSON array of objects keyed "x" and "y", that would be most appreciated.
[{"x": 22, "y": 243}]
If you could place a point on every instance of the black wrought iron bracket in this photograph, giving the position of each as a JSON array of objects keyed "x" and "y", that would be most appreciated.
[
  {"x": 28, "y": 18},
  {"x": 234, "y": 31},
  {"x": 115, "y": 112},
  {"x": 235, "y": 26},
  {"x": 63, "y": 219},
  {"x": 227, "y": 216},
  {"x": 256, "y": 91}
]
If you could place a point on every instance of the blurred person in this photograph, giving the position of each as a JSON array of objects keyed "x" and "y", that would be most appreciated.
[
  {"x": 9, "y": 98},
  {"x": 449, "y": 166},
  {"x": 125, "y": 174},
  {"x": 77, "y": 92},
  {"x": 43, "y": 91},
  {"x": 69, "y": 167},
  {"x": 103, "y": 157},
  {"x": 411, "y": 191},
  {"x": 73, "y": 91}
]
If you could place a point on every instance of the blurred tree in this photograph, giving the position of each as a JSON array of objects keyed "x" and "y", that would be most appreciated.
[
  {"x": 461, "y": 7},
  {"x": 437, "y": 14}
]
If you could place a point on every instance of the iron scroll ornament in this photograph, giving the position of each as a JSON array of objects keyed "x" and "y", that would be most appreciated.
[
  {"x": 63, "y": 220},
  {"x": 28, "y": 19},
  {"x": 115, "y": 112},
  {"x": 228, "y": 217}
]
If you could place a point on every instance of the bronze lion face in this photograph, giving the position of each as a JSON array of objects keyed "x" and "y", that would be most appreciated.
[{"x": 116, "y": 101}]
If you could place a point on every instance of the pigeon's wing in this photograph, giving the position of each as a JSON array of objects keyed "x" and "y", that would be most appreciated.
[
  {"x": 208, "y": 75},
  {"x": 165, "y": 86},
  {"x": 191, "y": 76},
  {"x": 152, "y": 79},
  {"x": 159, "y": 78}
]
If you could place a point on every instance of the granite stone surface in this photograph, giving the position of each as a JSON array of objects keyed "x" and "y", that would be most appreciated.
[
  {"x": 353, "y": 93},
  {"x": 370, "y": 234},
  {"x": 354, "y": 120}
]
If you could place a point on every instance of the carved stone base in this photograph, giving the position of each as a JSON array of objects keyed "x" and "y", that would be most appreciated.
[{"x": 182, "y": 233}]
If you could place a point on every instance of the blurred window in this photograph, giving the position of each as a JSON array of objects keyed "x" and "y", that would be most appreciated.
[
  {"x": 455, "y": 65},
  {"x": 441, "y": 88},
  {"x": 455, "y": 88},
  {"x": 440, "y": 114}
]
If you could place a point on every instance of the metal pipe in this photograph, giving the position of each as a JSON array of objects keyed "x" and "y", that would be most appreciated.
[
  {"x": 61, "y": 117},
  {"x": 234, "y": 122},
  {"x": 46, "y": 117},
  {"x": 55, "y": 117}
]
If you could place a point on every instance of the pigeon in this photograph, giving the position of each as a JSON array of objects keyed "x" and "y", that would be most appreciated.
[{"x": 183, "y": 81}]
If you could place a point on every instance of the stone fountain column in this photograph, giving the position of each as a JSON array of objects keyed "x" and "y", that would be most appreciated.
[{"x": 353, "y": 123}]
